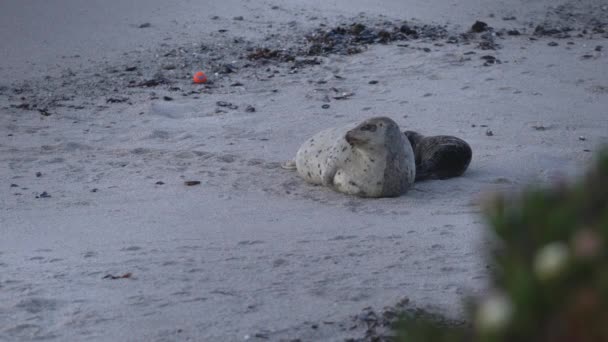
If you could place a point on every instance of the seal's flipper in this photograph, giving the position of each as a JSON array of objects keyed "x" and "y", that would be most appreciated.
[
  {"x": 289, "y": 165},
  {"x": 423, "y": 171}
]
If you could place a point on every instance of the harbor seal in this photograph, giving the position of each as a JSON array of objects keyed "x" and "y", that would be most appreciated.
[
  {"x": 370, "y": 159},
  {"x": 441, "y": 156}
]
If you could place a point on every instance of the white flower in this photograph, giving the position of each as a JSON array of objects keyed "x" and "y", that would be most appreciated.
[
  {"x": 494, "y": 313},
  {"x": 551, "y": 260}
]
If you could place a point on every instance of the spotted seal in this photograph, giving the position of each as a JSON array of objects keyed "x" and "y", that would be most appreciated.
[
  {"x": 440, "y": 156},
  {"x": 369, "y": 159}
]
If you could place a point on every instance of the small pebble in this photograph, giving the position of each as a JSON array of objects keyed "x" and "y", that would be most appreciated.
[
  {"x": 582, "y": 138},
  {"x": 226, "y": 104},
  {"x": 489, "y": 133},
  {"x": 553, "y": 44},
  {"x": 191, "y": 183},
  {"x": 325, "y": 106},
  {"x": 44, "y": 194},
  {"x": 38, "y": 174},
  {"x": 373, "y": 82}
]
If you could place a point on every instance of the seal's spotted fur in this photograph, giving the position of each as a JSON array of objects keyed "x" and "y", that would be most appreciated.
[{"x": 371, "y": 159}]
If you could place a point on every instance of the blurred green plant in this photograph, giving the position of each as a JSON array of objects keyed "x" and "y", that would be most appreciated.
[{"x": 550, "y": 280}]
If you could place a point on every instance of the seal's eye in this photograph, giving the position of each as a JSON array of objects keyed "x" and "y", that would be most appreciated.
[{"x": 369, "y": 127}]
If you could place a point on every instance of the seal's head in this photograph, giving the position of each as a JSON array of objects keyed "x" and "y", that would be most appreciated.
[
  {"x": 372, "y": 132},
  {"x": 414, "y": 137}
]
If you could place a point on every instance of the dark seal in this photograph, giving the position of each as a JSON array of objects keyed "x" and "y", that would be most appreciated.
[{"x": 440, "y": 156}]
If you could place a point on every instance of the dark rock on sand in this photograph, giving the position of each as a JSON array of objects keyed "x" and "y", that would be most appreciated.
[
  {"x": 44, "y": 194},
  {"x": 479, "y": 26},
  {"x": 226, "y": 104}
]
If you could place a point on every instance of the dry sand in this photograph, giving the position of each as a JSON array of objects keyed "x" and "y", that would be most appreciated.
[{"x": 93, "y": 170}]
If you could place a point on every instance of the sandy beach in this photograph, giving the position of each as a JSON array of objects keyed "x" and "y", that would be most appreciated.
[{"x": 101, "y": 126}]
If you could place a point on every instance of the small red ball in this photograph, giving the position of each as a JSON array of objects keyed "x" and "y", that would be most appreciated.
[{"x": 199, "y": 77}]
